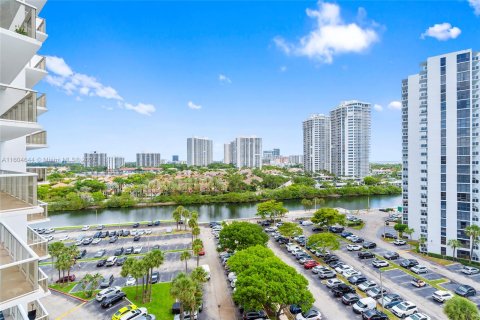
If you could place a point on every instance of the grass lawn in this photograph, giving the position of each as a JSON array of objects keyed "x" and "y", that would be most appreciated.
[
  {"x": 161, "y": 300},
  {"x": 442, "y": 262},
  {"x": 65, "y": 287}
]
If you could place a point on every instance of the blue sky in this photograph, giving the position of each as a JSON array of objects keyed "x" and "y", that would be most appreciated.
[{"x": 128, "y": 77}]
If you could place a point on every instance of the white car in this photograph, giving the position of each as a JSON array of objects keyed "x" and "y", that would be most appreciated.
[
  {"x": 442, "y": 296},
  {"x": 233, "y": 283},
  {"x": 311, "y": 314},
  {"x": 86, "y": 228},
  {"x": 307, "y": 223},
  {"x": 64, "y": 238},
  {"x": 49, "y": 238},
  {"x": 343, "y": 268},
  {"x": 469, "y": 270},
  {"x": 352, "y": 237},
  {"x": 418, "y": 316},
  {"x": 96, "y": 241},
  {"x": 405, "y": 308},
  {"x": 111, "y": 261},
  {"x": 367, "y": 285},
  {"x": 231, "y": 276},
  {"x": 105, "y": 293},
  {"x": 419, "y": 269},
  {"x": 399, "y": 242},
  {"x": 137, "y": 250},
  {"x": 148, "y": 231},
  {"x": 378, "y": 263},
  {"x": 49, "y": 230},
  {"x": 350, "y": 273},
  {"x": 354, "y": 247},
  {"x": 131, "y": 281},
  {"x": 333, "y": 282}
]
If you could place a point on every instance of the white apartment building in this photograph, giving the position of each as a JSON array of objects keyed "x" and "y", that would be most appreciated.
[
  {"x": 227, "y": 153},
  {"x": 245, "y": 152},
  {"x": 440, "y": 136},
  {"x": 316, "y": 143},
  {"x": 148, "y": 160},
  {"x": 114, "y": 163},
  {"x": 95, "y": 159},
  {"x": 22, "y": 282},
  {"x": 350, "y": 124},
  {"x": 199, "y": 151}
]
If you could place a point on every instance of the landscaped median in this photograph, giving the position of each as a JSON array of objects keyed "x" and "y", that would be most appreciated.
[
  {"x": 67, "y": 288},
  {"x": 161, "y": 303}
]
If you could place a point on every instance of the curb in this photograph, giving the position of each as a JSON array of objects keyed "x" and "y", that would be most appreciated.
[{"x": 69, "y": 295}]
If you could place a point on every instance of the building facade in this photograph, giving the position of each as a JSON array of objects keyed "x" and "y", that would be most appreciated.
[
  {"x": 440, "y": 150},
  {"x": 199, "y": 151},
  {"x": 350, "y": 124},
  {"x": 316, "y": 143},
  {"x": 114, "y": 163},
  {"x": 227, "y": 153},
  {"x": 95, "y": 159},
  {"x": 246, "y": 152},
  {"x": 22, "y": 282},
  {"x": 148, "y": 160}
]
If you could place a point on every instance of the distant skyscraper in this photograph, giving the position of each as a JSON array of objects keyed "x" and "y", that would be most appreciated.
[
  {"x": 227, "y": 153},
  {"x": 175, "y": 158},
  {"x": 350, "y": 139},
  {"x": 440, "y": 133},
  {"x": 247, "y": 152},
  {"x": 271, "y": 154},
  {"x": 114, "y": 163},
  {"x": 148, "y": 160},
  {"x": 316, "y": 143},
  {"x": 94, "y": 159},
  {"x": 199, "y": 151}
]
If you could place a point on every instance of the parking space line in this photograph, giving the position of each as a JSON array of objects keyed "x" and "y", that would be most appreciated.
[{"x": 63, "y": 315}]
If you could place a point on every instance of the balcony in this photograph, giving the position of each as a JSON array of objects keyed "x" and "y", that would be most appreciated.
[
  {"x": 17, "y": 37},
  {"x": 18, "y": 191},
  {"x": 41, "y": 29},
  {"x": 41, "y": 103},
  {"x": 37, "y": 243},
  {"x": 35, "y": 70},
  {"x": 37, "y": 140},
  {"x": 40, "y": 216}
]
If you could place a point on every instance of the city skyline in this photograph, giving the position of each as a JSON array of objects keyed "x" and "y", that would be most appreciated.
[{"x": 245, "y": 81}]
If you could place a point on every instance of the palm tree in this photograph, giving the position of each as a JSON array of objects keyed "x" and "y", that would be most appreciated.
[
  {"x": 177, "y": 214},
  {"x": 55, "y": 249},
  {"x": 454, "y": 244},
  {"x": 195, "y": 232},
  {"x": 199, "y": 275},
  {"x": 186, "y": 214},
  {"x": 472, "y": 231},
  {"x": 409, "y": 232},
  {"x": 136, "y": 271},
  {"x": 184, "y": 257},
  {"x": 196, "y": 251},
  {"x": 153, "y": 260},
  {"x": 72, "y": 252},
  {"x": 182, "y": 290}
]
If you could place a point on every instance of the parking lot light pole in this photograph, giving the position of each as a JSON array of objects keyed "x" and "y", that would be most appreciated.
[{"x": 381, "y": 289}]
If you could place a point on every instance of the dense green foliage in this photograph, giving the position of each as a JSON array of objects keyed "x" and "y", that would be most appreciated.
[
  {"x": 326, "y": 217},
  {"x": 459, "y": 308},
  {"x": 290, "y": 230},
  {"x": 324, "y": 241},
  {"x": 272, "y": 209},
  {"x": 241, "y": 235}
]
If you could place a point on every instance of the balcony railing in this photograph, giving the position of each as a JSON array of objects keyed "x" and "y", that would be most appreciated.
[
  {"x": 42, "y": 26},
  {"x": 37, "y": 243},
  {"x": 18, "y": 267},
  {"x": 40, "y": 311},
  {"x": 17, "y": 190},
  {"x": 41, "y": 63},
  {"x": 37, "y": 138},
  {"x": 41, "y": 100},
  {"x": 18, "y": 17},
  {"x": 39, "y": 216},
  {"x": 25, "y": 110},
  {"x": 15, "y": 313}
]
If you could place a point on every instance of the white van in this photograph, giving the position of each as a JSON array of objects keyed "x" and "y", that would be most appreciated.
[
  {"x": 364, "y": 305},
  {"x": 111, "y": 261},
  {"x": 207, "y": 270}
]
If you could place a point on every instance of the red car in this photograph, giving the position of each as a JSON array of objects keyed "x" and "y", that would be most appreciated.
[
  {"x": 69, "y": 278},
  {"x": 310, "y": 264},
  {"x": 202, "y": 252}
]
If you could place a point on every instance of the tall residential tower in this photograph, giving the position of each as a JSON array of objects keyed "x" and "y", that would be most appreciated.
[
  {"x": 316, "y": 143},
  {"x": 199, "y": 151},
  {"x": 440, "y": 132},
  {"x": 245, "y": 152}
]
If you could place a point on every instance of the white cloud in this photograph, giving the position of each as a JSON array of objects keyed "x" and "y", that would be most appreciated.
[
  {"x": 224, "y": 79},
  {"x": 331, "y": 36},
  {"x": 283, "y": 68},
  {"x": 378, "y": 107},
  {"x": 62, "y": 76},
  {"x": 442, "y": 32},
  {"x": 142, "y": 108},
  {"x": 475, "y": 4},
  {"x": 194, "y": 106},
  {"x": 395, "y": 105}
]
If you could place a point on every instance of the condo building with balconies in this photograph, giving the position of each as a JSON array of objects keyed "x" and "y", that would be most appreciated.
[{"x": 22, "y": 282}]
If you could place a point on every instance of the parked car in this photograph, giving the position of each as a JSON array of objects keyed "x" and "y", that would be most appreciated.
[
  {"x": 295, "y": 309},
  {"x": 336, "y": 229},
  {"x": 100, "y": 253},
  {"x": 106, "y": 293},
  {"x": 85, "y": 228},
  {"x": 369, "y": 245},
  {"x": 114, "y": 299},
  {"x": 333, "y": 282},
  {"x": 312, "y": 314},
  {"x": 374, "y": 314},
  {"x": 356, "y": 280},
  {"x": 49, "y": 230},
  {"x": 345, "y": 234},
  {"x": 101, "y": 262},
  {"x": 408, "y": 263},
  {"x": 350, "y": 298},
  {"x": 131, "y": 281},
  {"x": 155, "y": 277},
  {"x": 365, "y": 255},
  {"x": 137, "y": 250},
  {"x": 119, "y": 251},
  {"x": 96, "y": 241},
  {"x": 254, "y": 315},
  {"x": 111, "y": 261},
  {"x": 442, "y": 296},
  {"x": 113, "y": 239},
  {"x": 418, "y": 316},
  {"x": 469, "y": 270},
  {"x": 107, "y": 282},
  {"x": 81, "y": 254},
  {"x": 376, "y": 292},
  {"x": 117, "y": 315},
  {"x": 136, "y": 238},
  {"x": 354, "y": 247},
  {"x": 309, "y": 264},
  {"x": 377, "y": 263},
  {"x": 129, "y": 250},
  {"x": 341, "y": 289},
  {"x": 389, "y": 298},
  {"x": 70, "y": 278},
  {"x": 418, "y": 283},
  {"x": 121, "y": 261},
  {"x": 327, "y": 274},
  {"x": 156, "y": 223},
  {"x": 87, "y": 241},
  {"x": 331, "y": 258},
  {"x": 399, "y": 242},
  {"x": 388, "y": 235},
  {"x": 419, "y": 269},
  {"x": 134, "y": 314},
  {"x": 136, "y": 225},
  {"x": 465, "y": 291},
  {"x": 366, "y": 285},
  {"x": 364, "y": 304},
  {"x": 317, "y": 229},
  {"x": 404, "y": 309},
  {"x": 390, "y": 255}
]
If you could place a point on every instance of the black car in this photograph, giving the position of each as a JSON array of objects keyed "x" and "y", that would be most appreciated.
[
  {"x": 356, "y": 280},
  {"x": 107, "y": 282},
  {"x": 119, "y": 252},
  {"x": 253, "y": 315},
  {"x": 121, "y": 261},
  {"x": 155, "y": 277},
  {"x": 103, "y": 234},
  {"x": 101, "y": 263},
  {"x": 335, "y": 264},
  {"x": 295, "y": 309},
  {"x": 388, "y": 235},
  {"x": 136, "y": 238},
  {"x": 108, "y": 302},
  {"x": 330, "y": 257},
  {"x": 350, "y": 298},
  {"x": 120, "y": 233},
  {"x": 408, "y": 263},
  {"x": 81, "y": 254},
  {"x": 156, "y": 223},
  {"x": 365, "y": 255},
  {"x": 113, "y": 239},
  {"x": 150, "y": 224},
  {"x": 342, "y": 289},
  {"x": 136, "y": 225},
  {"x": 317, "y": 228},
  {"x": 345, "y": 234},
  {"x": 335, "y": 229},
  {"x": 87, "y": 241},
  {"x": 129, "y": 250},
  {"x": 465, "y": 291},
  {"x": 156, "y": 247},
  {"x": 390, "y": 255},
  {"x": 97, "y": 234},
  {"x": 358, "y": 240},
  {"x": 113, "y": 233},
  {"x": 369, "y": 245},
  {"x": 374, "y": 314}
]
